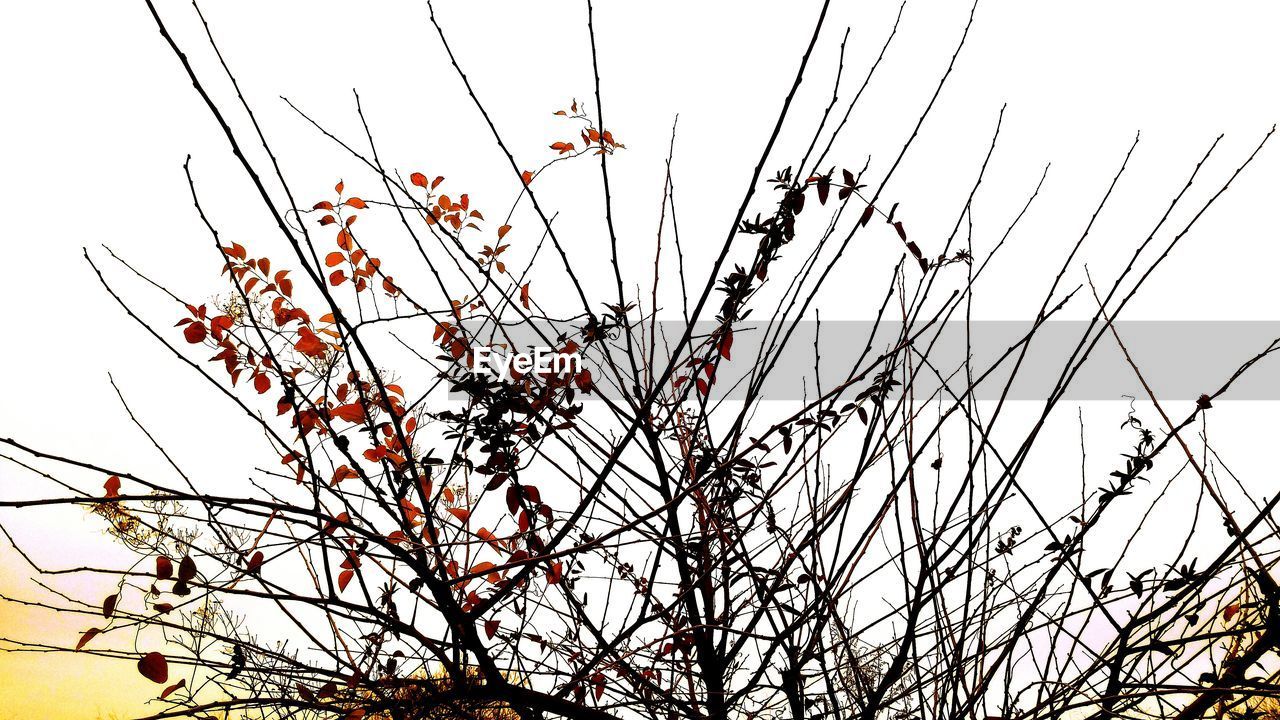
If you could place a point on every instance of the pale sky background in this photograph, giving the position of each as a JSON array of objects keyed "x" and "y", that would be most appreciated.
[{"x": 100, "y": 118}]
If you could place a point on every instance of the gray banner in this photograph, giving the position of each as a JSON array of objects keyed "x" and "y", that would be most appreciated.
[{"x": 1179, "y": 359}]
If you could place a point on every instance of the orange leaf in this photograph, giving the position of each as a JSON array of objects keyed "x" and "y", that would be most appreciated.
[
  {"x": 308, "y": 343},
  {"x": 524, "y": 295},
  {"x": 112, "y": 486},
  {"x": 352, "y": 413},
  {"x": 502, "y": 231},
  {"x": 154, "y": 667},
  {"x": 555, "y": 573},
  {"x": 337, "y": 277},
  {"x": 356, "y": 203},
  {"x": 334, "y": 259},
  {"x": 460, "y": 513},
  {"x": 418, "y": 179},
  {"x": 526, "y": 176},
  {"x": 342, "y": 473}
]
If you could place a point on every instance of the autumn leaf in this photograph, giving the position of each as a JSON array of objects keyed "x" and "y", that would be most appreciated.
[
  {"x": 352, "y": 413},
  {"x": 187, "y": 569},
  {"x": 418, "y": 179},
  {"x": 726, "y": 344},
  {"x": 109, "y": 605},
  {"x": 334, "y": 259},
  {"x": 112, "y": 486},
  {"x": 154, "y": 667},
  {"x": 524, "y": 295},
  {"x": 255, "y": 563},
  {"x": 173, "y": 688},
  {"x": 502, "y": 231},
  {"x": 309, "y": 344},
  {"x": 195, "y": 332},
  {"x": 344, "y": 578},
  {"x": 356, "y": 203},
  {"x": 342, "y": 473},
  {"x": 88, "y": 635},
  {"x": 491, "y": 628},
  {"x": 460, "y": 513}
]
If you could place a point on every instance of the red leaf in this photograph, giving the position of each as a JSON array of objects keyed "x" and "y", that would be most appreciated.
[
  {"x": 112, "y": 486},
  {"x": 1229, "y": 612},
  {"x": 338, "y": 188},
  {"x": 255, "y": 562},
  {"x": 173, "y": 688},
  {"x": 866, "y": 215},
  {"x": 502, "y": 231},
  {"x": 88, "y": 635},
  {"x": 345, "y": 578},
  {"x": 460, "y": 513},
  {"x": 154, "y": 667},
  {"x": 418, "y": 179},
  {"x": 186, "y": 569},
  {"x": 337, "y": 277},
  {"x": 164, "y": 568},
  {"x": 261, "y": 383},
  {"x": 342, "y": 473},
  {"x": 334, "y": 259},
  {"x": 555, "y": 573},
  {"x": 109, "y": 606},
  {"x": 726, "y": 344},
  {"x": 491, "y": 628},
  {"x": 524, "y": 295},
  {"x": 322, "y": 205},
  {"x": 526, "y": 176},
  {"x": 356, "y": 203},
  {"x": 195, "y": 332}
]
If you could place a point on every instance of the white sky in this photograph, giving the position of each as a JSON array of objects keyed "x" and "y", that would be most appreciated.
[{"x": 100, "y": 117}]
